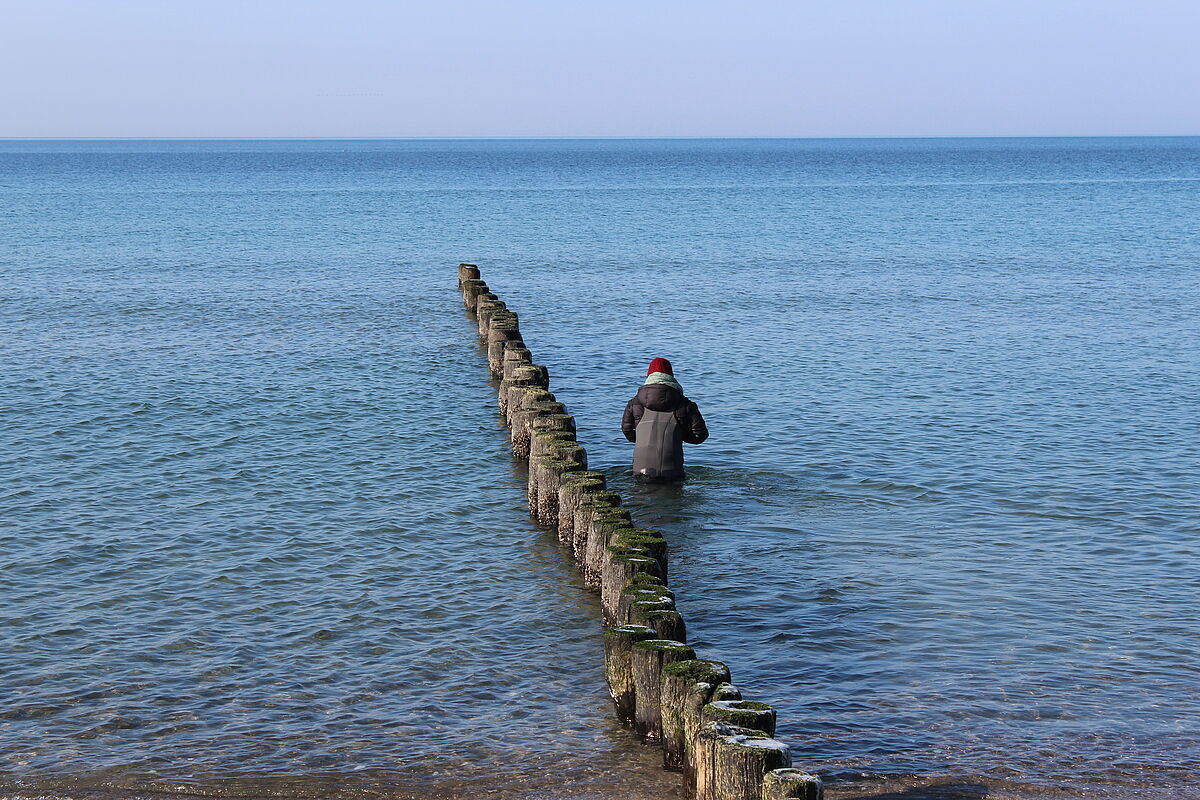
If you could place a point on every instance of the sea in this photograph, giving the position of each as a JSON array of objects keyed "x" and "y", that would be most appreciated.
[{"x": 261, "y": 535}]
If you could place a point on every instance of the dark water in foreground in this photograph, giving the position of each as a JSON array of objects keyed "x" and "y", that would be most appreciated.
[{"x": 259, "y": 534}]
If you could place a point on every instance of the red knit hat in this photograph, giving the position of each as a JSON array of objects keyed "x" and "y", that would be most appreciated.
[{"x": 660, "y": 365}]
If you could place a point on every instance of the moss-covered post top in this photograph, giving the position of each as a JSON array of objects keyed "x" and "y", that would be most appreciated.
[
  {"x": 564, "y": 422},
  {"x": 727, "y": 691},
  {"x": 628, "y": 631},
  {"x": 665, "y": 645},
  {"x": 599, "y": 498},
  {"x": 790, "y": 783},
  {"x": 648, "y": 592},
  {"x": 745, "y": 738},
  {"x": 613, "y": 516},
  {"x": 643, "y": 611},
  {"x": 741, "y": 705},
  {"x": 528, "y": 372},
  {"x": 650, "y": 545},
  {"x": 635, "y": 557},
  {"x": 700, "y": 670},
  {"x": 589, "y": 475},
  {"x": 751, "y": 740},
  {"x": 533, "y": 397},
  {"x": 570, "y": 452},
  {"x": 743, "y": 713},
  {"x": 547, "y": 436},
  {"x": 648, "y": 582}
]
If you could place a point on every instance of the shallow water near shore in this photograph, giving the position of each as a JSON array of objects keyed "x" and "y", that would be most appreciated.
[{"x": 261, "y": 536}]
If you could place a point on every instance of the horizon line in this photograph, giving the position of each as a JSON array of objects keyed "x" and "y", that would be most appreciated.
[{"x": 588, "y": 137}]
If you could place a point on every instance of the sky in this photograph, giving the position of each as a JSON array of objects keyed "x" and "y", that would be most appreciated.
[{"x": 397, "y": 68}]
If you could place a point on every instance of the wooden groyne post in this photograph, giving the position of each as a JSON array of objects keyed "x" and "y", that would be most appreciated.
[{"x": 723, "y": 744}]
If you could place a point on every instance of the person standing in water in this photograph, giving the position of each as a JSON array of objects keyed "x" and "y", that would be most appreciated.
[{"x": 658, "y": 420}]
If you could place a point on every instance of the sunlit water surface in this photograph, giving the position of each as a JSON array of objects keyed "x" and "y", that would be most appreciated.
[{"x": 260, "y": 535}]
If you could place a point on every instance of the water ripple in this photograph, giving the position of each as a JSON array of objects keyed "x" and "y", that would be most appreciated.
[{"x": 260, "y": 535}]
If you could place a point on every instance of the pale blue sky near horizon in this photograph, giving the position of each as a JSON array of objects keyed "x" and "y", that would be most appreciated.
[{"x": 370, "y": 68}]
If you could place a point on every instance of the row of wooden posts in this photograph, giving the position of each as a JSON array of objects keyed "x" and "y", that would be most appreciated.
[{"x": 722, "y": 743}]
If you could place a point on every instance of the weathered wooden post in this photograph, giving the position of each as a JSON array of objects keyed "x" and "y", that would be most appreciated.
[
  {"x": 517, "y": 418},
  {"x": 603, "y": 527},
  {"x": 647, "y": 590},
  {"x": 530, "y": 375},
  {"x": 618, "y": 665},
  {"x": 549, "y": 470},
  {"x": 648, "y": 539},
  {"x": 687, "y": 686},
  {"x": 791, "y": 784},
  {"x": 543, "y": 441},
  {"x": 742, "y": 713},
  {"x": 502, "y": 330},
  {"x": 727, "y": 691},
  {"x": 573, "y": 486},
  {"x": 515, "y": 357},
  {"x": 523, "y": 405},
  {"x": 617, "y": 570},
  {"x": 542, "y": 444},
  {"x": 621, "y": 566},
  {"x": 649, "y": 658},
  {"x": 591, "y": 502},
  {"x": 471, "y": 289},
  {"x": 485, "y": 306},
  {"x": 731, "y": 762},
  {"x": 667, "y": 622},
  {"x": 467, "y": 272},
  {"x": 550, "y": 423}
]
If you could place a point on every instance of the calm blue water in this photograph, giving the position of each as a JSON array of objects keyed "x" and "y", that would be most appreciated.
[{"x": 260, "y": 535}]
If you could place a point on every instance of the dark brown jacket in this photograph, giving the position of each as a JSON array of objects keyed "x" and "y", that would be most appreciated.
[{"x": 664, "y": 398}]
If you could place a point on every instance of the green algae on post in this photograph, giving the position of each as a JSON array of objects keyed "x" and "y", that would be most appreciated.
[
  {"x": 649, "y": 540},
  {"x": 591, "y": 502},
  {"x": 569, "y": 492},
  {"x": 542, "y": 441},
  {"x": 602, "y": 528},
  {"x": 667, "y": 622},
  {"x": 687, "y": 686},
  {"x": 620, "y": 566},
  {"x": 789, "y": 783},
  {"x": 649, "y": 658},
  {"x": 727, "y": 691},
  {"x": 639, "y": 590},
  {"x": 743, "y": 713},
  {"x": 521, "y": 377},
  {"x": 515, "y": 357},
  {"x": 618, "y": 665},
  {"x": 549, "y": 471},
  {"x": 553, "y": 422},
  {"x": 502, "y": 329},
  {"x": 486, "y": 306},
  {"x": 731, "y": 762}
]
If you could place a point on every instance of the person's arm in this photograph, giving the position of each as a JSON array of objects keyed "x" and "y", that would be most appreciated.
[
  {"x": 694, "y": 429},
  {"x": 631, "y": 418}
]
